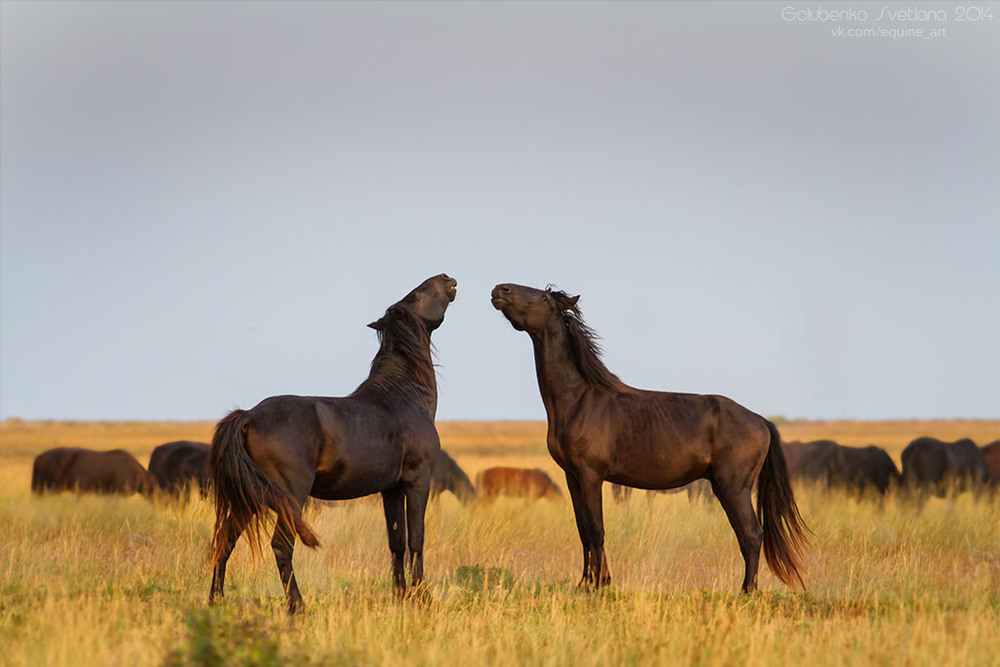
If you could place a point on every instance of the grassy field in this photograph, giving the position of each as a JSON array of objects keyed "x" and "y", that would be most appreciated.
[{"x": 123, "y": 581}]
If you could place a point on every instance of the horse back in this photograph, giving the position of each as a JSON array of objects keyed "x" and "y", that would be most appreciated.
[
  {"x": 340, "y": 448},
  {"x": 533, "y": 484},
  {"x": 663, "y": 440},
  {"x": 114, "y": 471}
]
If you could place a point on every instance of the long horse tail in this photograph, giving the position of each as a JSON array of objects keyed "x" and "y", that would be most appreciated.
[
  {"x": 243, "y": 493},
  {"x": 784, "y": 530}
]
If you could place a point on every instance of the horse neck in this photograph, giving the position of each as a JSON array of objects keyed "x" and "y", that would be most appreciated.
[
  {"x": 396, "y": 374},
  {"x": 559, "y": 379}
]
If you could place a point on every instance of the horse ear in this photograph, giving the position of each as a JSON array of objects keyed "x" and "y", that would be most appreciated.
[
  {"x": 377, "y": 324},
  {"x": 573, "y": 300}
]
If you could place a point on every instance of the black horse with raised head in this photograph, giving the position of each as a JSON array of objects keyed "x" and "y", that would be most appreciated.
[
  {"x": 601, "y": 429},
  {"x": 381, "y": 438}
]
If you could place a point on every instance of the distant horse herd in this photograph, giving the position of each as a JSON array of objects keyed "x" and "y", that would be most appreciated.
[
  {"x": 930, "y": 468},
  {"x": 382, "y": 439}
]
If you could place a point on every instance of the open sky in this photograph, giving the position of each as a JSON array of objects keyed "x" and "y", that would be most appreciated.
[{"x": 202, "y": 204}]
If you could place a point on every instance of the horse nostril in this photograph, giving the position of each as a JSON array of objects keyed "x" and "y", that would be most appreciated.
[{"x": 505, "y": 289}]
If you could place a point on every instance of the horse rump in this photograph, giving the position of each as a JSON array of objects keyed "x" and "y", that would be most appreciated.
[{"x": 243, "y": 493}]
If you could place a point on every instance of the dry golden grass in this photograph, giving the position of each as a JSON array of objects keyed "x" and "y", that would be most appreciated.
[{"x": 96, "y": 580}]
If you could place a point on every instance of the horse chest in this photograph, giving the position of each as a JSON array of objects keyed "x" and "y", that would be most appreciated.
[
  {"x": 556, "y": 451},
  {"x": 569, "y": 452}
]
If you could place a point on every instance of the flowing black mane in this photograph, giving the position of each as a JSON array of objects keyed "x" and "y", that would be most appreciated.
[
  {"x": 403, "y": 364},
  {"x": 583, "y": 342}
]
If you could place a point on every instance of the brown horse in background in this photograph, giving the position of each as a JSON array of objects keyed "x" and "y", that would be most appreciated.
[
  {"x": 380, "y": 439},
  {"x": 601, "y": 429},
  {"x": 991, "y": 454},
  {"x": 84, "y": 470},
  {"x": 533, "y": 484}
]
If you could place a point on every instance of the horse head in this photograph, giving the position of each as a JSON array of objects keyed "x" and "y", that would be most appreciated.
[
  {"x": 428, "y": 302},
  {"x": 529, "y": 309}
]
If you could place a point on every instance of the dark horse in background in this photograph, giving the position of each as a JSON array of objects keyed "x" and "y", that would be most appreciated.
[
  {"x": 381, "y": 438},
  {"x": 89, "y": 471},
  {"x": 858, "y": 470},
  {"x": 931, "y": 466},
  {"x": 176, "y": 465},
  {"x": 602, "y": 429},
  {"x": 449, "y": 476}
]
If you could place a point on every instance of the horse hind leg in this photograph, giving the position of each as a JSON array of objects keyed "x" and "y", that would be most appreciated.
[
  {"x": 393, "y": 504},
  {"x": 738, "y": 506},
  {"x": 232, "y": 529},
  {"x": 283, "y": 543}
]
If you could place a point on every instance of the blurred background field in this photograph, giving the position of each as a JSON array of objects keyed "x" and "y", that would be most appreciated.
[{"x": 109, "y": 580}]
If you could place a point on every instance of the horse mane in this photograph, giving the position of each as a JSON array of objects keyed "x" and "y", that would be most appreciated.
[
  {"x": 584, "y": 344},
  {"x": 403, "y": 364}
]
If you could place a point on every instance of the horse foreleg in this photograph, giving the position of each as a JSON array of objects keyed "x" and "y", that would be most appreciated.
[
  {"x": 576, "y": 496},
  {"x": 232, "y": 531},
  {"x": 749, "y": 533},
  {"x": 416, "y": 505},
  {"x": 282, "y": 543},
  {"x": 395, "y": 523},
  {"x": 593, "y": 516}
]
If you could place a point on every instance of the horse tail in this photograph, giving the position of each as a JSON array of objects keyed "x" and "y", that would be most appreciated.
[
  {"x": 243, "y": 493},
  {"x": 784, "y": 530}
]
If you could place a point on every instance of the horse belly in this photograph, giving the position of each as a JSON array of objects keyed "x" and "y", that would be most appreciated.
[
  {"x": 657, "y": 467},
  {"x": 353, "y": 479}
]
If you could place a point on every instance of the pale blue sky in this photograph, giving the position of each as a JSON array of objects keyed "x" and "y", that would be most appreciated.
[{"x": 203, "y": 203}]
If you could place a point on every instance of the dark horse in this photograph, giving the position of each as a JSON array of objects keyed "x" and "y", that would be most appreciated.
[
  {"x": 176, "y": 465},
  {"x": 381, "y": 438},
  {"x": 449, "y": 476},
  {"x": 84, "y": 470},
  {"x": 858, "y": 470},
  {"x": 936, "y": 467},
  {"x": 602, "y": 429}
]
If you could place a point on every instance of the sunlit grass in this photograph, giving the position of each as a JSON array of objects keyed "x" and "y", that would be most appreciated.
[{"x": 99, "y": 580}]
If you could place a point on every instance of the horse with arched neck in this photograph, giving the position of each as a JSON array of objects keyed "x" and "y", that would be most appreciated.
[{"x": 601, "y": 429}]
